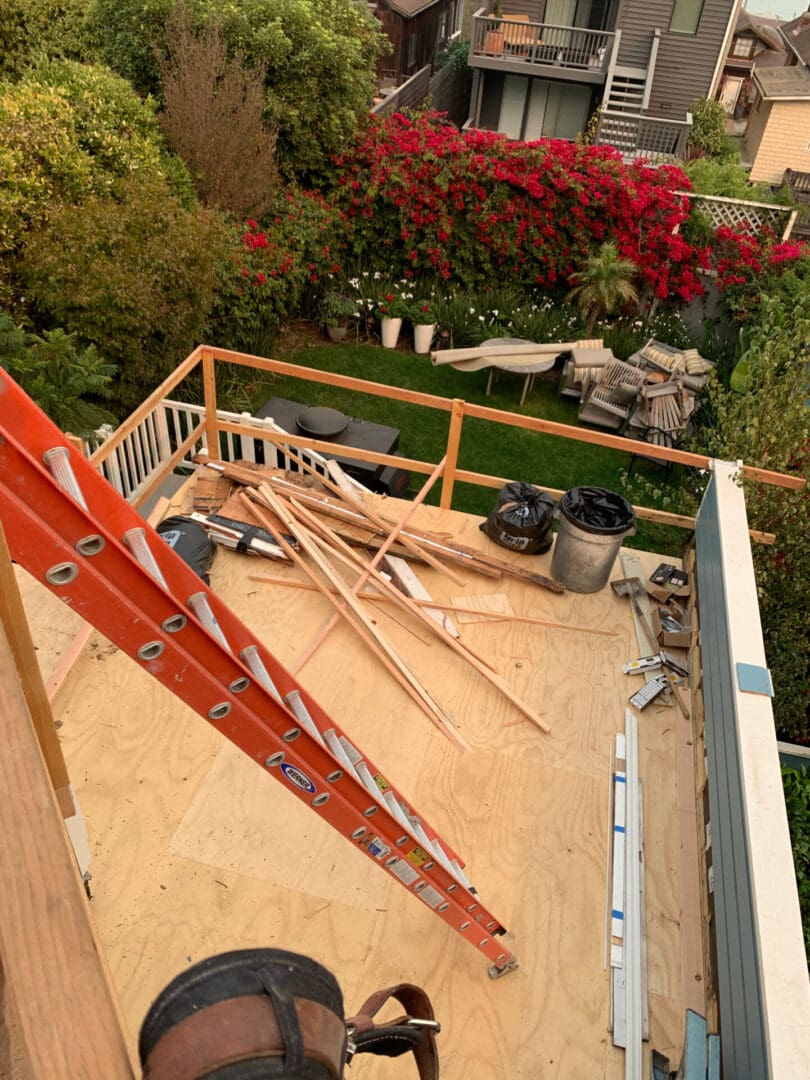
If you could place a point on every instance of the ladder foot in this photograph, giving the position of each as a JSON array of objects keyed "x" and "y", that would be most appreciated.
[{"x": 496, "y": 970}]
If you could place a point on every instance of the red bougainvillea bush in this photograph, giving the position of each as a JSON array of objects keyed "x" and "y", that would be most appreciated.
[
  {"x": 751, "y": 267},
  {"x": 475, "y": 208}
]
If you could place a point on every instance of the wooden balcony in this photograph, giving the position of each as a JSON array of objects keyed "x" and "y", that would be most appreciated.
[
  {"x": 516, "y": 45},
  {"x": 640, "y": 137}
]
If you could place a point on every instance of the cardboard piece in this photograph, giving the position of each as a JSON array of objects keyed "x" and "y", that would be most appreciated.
[{"x": 672, "y": 639}]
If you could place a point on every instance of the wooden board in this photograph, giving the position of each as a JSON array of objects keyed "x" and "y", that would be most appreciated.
[{"x": 197, "y": 850}]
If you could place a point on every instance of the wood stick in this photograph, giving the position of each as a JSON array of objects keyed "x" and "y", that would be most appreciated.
[
  {"x": 392, "y": 536},
  {"x": 493, "y": 616},
  {"x": 362, "y": 508},
  {"x": 407, "y": 582},
  {"x": 457, "y": 646},
  {"x": 373, "y": 638}
]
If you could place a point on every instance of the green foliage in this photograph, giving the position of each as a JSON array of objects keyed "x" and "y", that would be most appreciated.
[
  {"x": 58, "y": 375},
  {"x": 456, "y": 56},
  {"x": 275, "y": 270},
  {"x": 769, "y": 425},
  {"x": 136, "y": 279},
  {"x": 727, "y": 177},
  {"x": 69, "y": 131},
  {"x": 604, "y": 284},
  {"x": 796, "y": 783},
  {"x": 30, "y": 29},
  {"x": 320, "y": 60},
  {"x": 708, "y": 134}
]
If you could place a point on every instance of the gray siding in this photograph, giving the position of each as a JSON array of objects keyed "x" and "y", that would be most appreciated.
[
  {"x": 739, "y": 981},
  {"x": 686, "y": 62}
]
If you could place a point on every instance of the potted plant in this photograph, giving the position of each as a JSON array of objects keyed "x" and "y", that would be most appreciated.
[
  {"x": 391, "y": 309},
  {"x": 494, "y": 39},
  {"x": 423, "y": 317},
  {"x": 336, "y": 311}
]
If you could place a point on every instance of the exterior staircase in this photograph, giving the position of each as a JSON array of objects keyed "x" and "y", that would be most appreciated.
[{"x": 627, "y": 90}]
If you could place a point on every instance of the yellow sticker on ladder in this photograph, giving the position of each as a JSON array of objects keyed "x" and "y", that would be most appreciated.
[
  {"x": 418, "y": 856},
  {"x": 381, "y": 783}
]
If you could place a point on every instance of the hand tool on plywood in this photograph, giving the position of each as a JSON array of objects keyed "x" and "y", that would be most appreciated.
[
  {"x": 66, "y": 526},
  {"x": 632, "y": 588}
]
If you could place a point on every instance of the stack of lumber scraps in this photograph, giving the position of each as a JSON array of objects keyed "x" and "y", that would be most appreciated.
[{"x": 320, "y": 526}]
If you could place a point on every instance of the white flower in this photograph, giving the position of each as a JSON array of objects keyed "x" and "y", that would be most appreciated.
[
  {"x": 480, "y": 318},
  {"x": 472, "y": 310},
  {"x": 496, "y": 313},
  {"x": 377, "y": 275}
]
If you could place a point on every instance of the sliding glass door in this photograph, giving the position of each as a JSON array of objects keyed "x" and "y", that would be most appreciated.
[{"x": 535, "y": 108}]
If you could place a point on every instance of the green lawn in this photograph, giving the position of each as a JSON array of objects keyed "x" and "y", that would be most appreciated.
[{"x": 485, "y": 447}]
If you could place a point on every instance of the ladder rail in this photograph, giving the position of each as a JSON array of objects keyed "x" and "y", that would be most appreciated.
[{"x": 101, "y": 580}]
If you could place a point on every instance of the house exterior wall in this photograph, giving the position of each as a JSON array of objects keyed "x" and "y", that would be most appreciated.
[
  {"x": 686, "y": 62},
  {"x": 422, "y": 31},
  {"x": 783, "y": 142}
]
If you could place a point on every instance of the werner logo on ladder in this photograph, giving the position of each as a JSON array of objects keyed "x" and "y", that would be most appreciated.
[{"x": 73, "y": 532}]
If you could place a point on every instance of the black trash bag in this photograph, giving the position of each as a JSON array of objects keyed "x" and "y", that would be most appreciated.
[
  {"x": 597, "y": 510},
  {"x": 190, "y": 541},
  {"x": 521, "y": 520}
]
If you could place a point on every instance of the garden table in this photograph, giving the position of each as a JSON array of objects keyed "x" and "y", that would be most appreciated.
[{"x": 531, "y": 366}]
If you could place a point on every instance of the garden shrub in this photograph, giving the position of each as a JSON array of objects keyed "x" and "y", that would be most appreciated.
[
  {"x": 69, "y": 131},
  {"x": 475, "y": 208},
  {"x": 751, "y": 268},
  {"x": 729, "y": 179},
  {"x": 708, "y": 134},
  {"x": 276, "y": 269},
  {"x": 320, "y": 60},
  {"x": 35, "y": 28},
  {"x": 796, "y": 783},
  {"x": 133, "y": 277},
  {"x": 769, "y": 425},
  {"x": 63, "y": 379}
]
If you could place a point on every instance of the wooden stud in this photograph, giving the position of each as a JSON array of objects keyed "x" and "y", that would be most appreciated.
[
  {"x": 12, "y": 618},
  {"x": 210, "y": 398},
  {"x": 453, "y": 440}
]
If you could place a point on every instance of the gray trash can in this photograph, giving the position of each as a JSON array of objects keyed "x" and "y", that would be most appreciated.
[{"x": 593, "y": 523}]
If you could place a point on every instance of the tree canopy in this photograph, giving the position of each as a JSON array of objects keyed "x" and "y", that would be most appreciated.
[{"x": 320, "y": 60}]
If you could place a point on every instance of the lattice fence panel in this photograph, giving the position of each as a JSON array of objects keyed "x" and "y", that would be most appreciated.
[{"x": 740, "y": 215}]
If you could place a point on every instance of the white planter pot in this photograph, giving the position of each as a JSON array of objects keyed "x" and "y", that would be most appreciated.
[
  {"x": 423, "y": 337},
  {"x": 337, "y": 333},
  {"x": 390, "y": 332}
]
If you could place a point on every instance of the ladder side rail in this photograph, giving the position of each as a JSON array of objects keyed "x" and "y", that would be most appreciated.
[
  {"x": 120, "y": 517},
  {"x": 251, "y": 719},
  {"x": 33, "y": 504}
]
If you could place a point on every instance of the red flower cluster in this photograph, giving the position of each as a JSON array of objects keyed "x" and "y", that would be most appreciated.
[
  {"x": 474, "y": 206},
  {"x": 745, "y": 264}
]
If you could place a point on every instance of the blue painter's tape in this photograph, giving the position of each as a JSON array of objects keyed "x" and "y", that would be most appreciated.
[
  {"x": 621, "y": 779},
  {"x": 617, "y": 914},
  {"x": 754, "y": 679},
  {"x": 618, "y": 828}
]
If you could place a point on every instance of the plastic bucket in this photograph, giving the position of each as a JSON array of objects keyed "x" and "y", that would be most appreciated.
[{"x": 593, "y": 523}]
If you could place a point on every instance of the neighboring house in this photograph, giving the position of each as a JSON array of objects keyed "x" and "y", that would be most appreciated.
[
  {"x": 778, "y": 134},
  {"x": 756, "y": 43},
  {"x": 418, "y": 30},
  {"x": 643, "y": 61}
]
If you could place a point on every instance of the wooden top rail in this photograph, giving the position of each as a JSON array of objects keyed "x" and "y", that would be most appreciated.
[{"x": 483, "y": 412}]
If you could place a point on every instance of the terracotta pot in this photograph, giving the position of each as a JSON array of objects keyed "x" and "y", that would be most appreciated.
[
  {"x": 337, "y": 333},
  {"x": 423, "y": 337},
  {"x": 493, "y": 42},
  {"x": 390, "y": 332}
]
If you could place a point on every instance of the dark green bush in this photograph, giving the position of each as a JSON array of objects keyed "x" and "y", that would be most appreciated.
[
  {"x": 63, "y": 379},
  {"x": 796, "y": 783},
  {"x": 34, "y": 28},
  {"x": 135, "y": 278}
]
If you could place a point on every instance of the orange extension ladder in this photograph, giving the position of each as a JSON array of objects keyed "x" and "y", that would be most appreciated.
[{"x": 71, "y": 530}]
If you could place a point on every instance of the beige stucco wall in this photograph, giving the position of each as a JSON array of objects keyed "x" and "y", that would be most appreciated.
[{"x": 778, "y": 138}]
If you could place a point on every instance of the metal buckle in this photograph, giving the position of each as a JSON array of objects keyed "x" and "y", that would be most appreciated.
[
  {"x": 351, "y": 1045},
  {"x": 432, "y": 1025}
]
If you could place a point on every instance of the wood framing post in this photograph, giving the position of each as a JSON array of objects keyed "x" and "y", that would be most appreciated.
[
  {"x": 59, "y": 1014},
  {"x": 451, "y": 455},
  {"x": 15, "y": 624},
  {"x": 210, "y": 392}
]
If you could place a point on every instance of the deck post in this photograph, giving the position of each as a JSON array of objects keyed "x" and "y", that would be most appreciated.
[
  {"x": 210, "y": 397},
  {"x": 451, "y": 453}
]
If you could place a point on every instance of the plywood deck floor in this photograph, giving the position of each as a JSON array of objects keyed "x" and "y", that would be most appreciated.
[{"x": 196, "y": 850}]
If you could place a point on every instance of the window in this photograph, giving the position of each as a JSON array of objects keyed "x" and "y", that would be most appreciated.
[
  {"x": 410, "y": 61},
  {"x": 686, "y": 16},
  {"x": 743, "y": 48}
]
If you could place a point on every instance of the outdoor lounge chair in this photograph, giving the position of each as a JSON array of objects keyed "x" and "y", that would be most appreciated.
[{"x": 609, "y": 401}]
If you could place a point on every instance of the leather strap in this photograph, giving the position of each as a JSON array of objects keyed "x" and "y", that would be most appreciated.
[
  {"x": 399, "y": 1037},
  {"x": 243, "y": 1029}
]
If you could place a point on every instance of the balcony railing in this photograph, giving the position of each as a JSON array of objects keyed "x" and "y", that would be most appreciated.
[
  {"x": 649, "y": 137},
  {"x": 539, "y": 44}
]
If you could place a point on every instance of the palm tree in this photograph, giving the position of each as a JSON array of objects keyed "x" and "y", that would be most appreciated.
[{"x": 604, "y": 285}]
